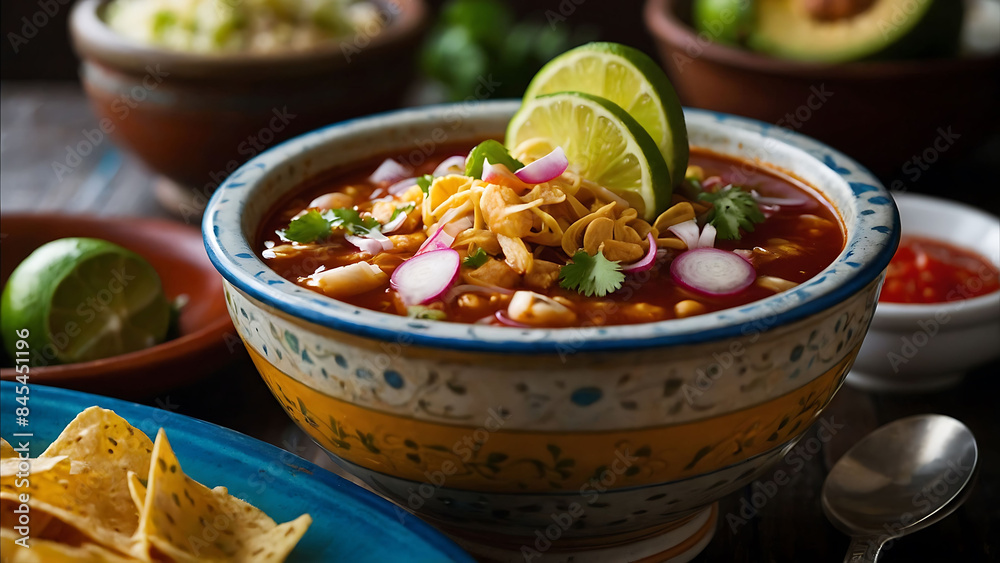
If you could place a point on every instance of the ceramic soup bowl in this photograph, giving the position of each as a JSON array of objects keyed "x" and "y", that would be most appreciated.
[{"x": 588, "y": 436}]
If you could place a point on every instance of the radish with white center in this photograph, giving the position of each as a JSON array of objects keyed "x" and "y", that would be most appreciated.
[
  {"x": 549, "y": 167},
  {"x": 712, "y": 271},
  {"x": 426, "y": 277}
]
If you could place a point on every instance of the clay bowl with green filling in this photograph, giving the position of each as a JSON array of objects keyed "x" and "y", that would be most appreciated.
[
  {"x": 194, "y": 117},
  {"x": 897, "y": 117},
  {"x": 200, "y": 341},
  {"x": 614, "y": 435}
]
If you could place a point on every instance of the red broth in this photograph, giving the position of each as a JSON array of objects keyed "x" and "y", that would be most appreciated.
[
  {"x": 812, "y": 228},
  {"x": 925, "y": 270}
]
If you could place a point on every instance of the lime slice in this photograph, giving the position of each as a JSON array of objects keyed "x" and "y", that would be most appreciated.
[
  {"x": 603, "y": 143},
  {"x": 83, "y": 299},
  {"x": 629, "y": 78}
]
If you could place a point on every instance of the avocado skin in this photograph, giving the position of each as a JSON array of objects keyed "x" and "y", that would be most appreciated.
[{"x": 935, "y": 35}]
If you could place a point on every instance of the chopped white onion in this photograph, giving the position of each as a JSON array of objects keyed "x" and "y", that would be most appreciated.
[{"x": 389, "y": 172}]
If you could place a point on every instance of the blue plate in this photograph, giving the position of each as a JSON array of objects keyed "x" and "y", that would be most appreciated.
[{"x": 349, "y": 523}]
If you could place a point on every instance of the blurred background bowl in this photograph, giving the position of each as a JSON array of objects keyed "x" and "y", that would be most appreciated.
[
  {"x": 929, "y": 347},
  {"x": 883, "y": 113},
  {"x": 206, "y": 341},
  {"x": 194, "y": 118}
]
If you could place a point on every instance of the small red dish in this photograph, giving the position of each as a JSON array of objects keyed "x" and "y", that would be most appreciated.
[{"x": 207, "y": 340}]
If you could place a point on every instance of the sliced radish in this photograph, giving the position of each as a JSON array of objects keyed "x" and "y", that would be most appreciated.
[
  {"x": 544, "y": 169},
  {"x": 711, "y": 182},
  {"x": 440, "y": 240},
  {"x": 647, "y": 261},
  {"x": 426, "y": 277},
  {"x": 712, "y": 271},
  {"x": 389, "y": 172},
  {"x": 450, "y": 165}
]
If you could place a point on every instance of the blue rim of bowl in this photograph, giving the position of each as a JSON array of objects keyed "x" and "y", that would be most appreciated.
[
  {"x": 865, "y": 256},
  {"x": 251, "y": 446}
]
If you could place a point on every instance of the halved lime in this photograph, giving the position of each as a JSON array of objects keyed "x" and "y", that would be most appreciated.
[
  {"x": 603, "y": 143},
  {"x": 629, "y": 78},
  {"x": 83, "y": 299}
]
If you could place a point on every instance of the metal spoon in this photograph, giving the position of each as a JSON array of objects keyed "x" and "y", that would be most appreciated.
[{"x": 901, "y": 478}]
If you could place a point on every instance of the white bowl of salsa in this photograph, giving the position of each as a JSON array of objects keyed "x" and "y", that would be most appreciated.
[{"x": 938, "y": 315}]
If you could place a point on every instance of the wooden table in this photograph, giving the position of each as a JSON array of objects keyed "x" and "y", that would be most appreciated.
[{"x": 39, "y": 122}]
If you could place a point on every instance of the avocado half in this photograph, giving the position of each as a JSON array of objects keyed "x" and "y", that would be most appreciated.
[{"x": 889, "y": 29}]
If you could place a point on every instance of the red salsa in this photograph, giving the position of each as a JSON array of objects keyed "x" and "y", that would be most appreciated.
[{"x": 930, "y": 271}]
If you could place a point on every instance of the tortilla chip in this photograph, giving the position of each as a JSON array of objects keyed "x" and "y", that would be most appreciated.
[
  {"x": 186, "y": 521},
  {"x": 90, "y": 494},
  {"x": 46, "y": 551},
  {"x": 137, "y": 489},
  {"x": 6, "y": 450}
]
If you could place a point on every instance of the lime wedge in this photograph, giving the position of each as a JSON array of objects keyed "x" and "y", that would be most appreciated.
[
  {"x": 603, "y": 143},
  {"x": 629, "y": 78},
  {"x": 83, "y": 299}
]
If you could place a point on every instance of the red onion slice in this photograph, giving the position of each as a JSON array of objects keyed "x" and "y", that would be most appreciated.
[
  {"x": 402, "y": 185},
  {"x": 446, "y": 166},
  {"x": 647, "y": 261},
  {"x": 687, "y": 232},
  {"x": 389, "y": 172},
  {"x": 707, "y": 238},
  {"x": 548, "y": 167},
  {"x": 507, "y": 321},
  {"x": 502, "y": 176},
  {"x": 395, "y": 223},
  {"x": 426, "y": 277},
  {"x": 368, "y": 245},
  {"x": 712, "y": 271},
  {"x": 454, "y": 292}
]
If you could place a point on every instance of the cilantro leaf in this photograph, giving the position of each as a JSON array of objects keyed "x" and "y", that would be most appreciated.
[
  {"x": 732, "y": 209},
  {"x": 314, "y": 226},
  {"x": 351, "y": 221},
  {"x": 591, "y": 275},
  {"x": 493, "y": 151},
  {"x": 401, "y": 209},
  {"x": 310, "y": 227},
  {"x": 425, "y": 182},
  {"x": 476, "y": 259}
]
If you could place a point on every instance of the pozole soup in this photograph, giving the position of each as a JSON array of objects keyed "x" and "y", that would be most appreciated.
[{"x": 463, "y": 240}]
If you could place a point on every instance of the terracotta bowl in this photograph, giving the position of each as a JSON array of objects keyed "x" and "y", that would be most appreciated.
[
  {"x": 207, "y": 340},
  {"x": 195, "y": 118},
  {"x": 614, "y": 435},
  {"x": 885, "y": 114}
]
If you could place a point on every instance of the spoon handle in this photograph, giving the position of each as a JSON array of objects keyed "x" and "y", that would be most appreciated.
[{"x": 863, "y": 549}]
